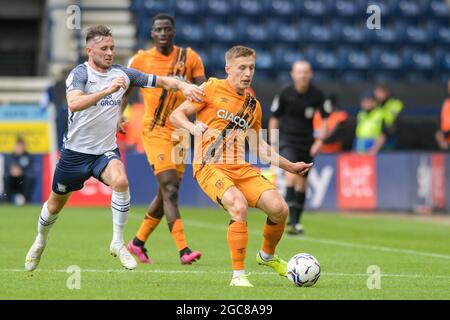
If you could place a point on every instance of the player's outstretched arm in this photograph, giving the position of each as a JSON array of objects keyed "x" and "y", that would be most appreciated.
[
  {"x": 190, "y": 91},
  {"x": 144, "y": 80},
  {"x": 77, "y": 100},
  {"x": 180, "y": 119},
  {"x": 267, "y": 154}
]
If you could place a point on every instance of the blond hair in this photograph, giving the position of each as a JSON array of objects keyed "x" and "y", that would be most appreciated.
[{"x": 239, "y": 51}]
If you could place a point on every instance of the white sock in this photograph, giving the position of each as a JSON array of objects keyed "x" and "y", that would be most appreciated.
[
  {"x": 265, "y": 256},
  {"x": 238, "y": 273},
  {"x": 45, "y": 223},
  {"x": 120, "y": 204}
]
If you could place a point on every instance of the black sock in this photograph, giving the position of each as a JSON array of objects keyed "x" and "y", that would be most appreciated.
[
  {"x": 299, "y": 204},
  {"x": 185, "y": 251},
  {"x": 289, "y": 197},
  {"x": 138, "y": 242}
]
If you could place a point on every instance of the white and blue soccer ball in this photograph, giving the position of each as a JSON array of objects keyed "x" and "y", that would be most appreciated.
[{"x": 303, "y": 270}]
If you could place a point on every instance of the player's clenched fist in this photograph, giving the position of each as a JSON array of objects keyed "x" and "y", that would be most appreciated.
[
  {"x": 199, "y": 128},
  {"x": 118, "y": 83},
  {"x": 192, "y": 92},
  {"x": 300, "y": 168}
]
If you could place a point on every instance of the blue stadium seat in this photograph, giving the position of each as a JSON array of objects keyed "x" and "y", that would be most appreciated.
[
  {"x": 144, "y": 27},
  {"x": 354, "y": 34},
  {"x": 204, "y": 55},
  {"x": 416, "y": 35},
  {"x": 191, "y": 33},
  {"x": 445, "y": 62},
  {"x": 351, "y": 76},
  {"x": 355, "y": 60},
  {"x": 318, "y": 33},
  {"x": 441, "y": 57},
  {"x": 252, "y": 32},
  {"x": 253, "y": 8},
  {"x": 411, "y": 8},
  {"x": 417, "y": 60},
  {"x": 220, "y": 8},
  {"x": 443, "y": 35},
  {"x": 439, "y": 9},
  {"x": 314, "y": 8},
  {"x": 286, "y": 56},
  {"x": 282, "y": 32},
  {"x": 323, "y": 59},
  {"x": 151, "y": 7},
  {"x": 217, "y": 56},
  {"x": 188, "y": 7},
  {"x": 387, "y": 7},
  {"x": 284, "y": 8},
  {"x": 264, "y": 60},
  {"x": 386, "y": 60},
  {"x": 221, "y": 32},
  {"x": 438, "y": 52},
  {"x": 137, "y": 5},
  {"x": 346, "y": 8},
  {"x": 387, "y": 34}
]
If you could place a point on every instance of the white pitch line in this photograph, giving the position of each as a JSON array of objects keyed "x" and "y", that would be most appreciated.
[
  {"x": 331, "y": 274},
  {"x": 329, "y": 241}
]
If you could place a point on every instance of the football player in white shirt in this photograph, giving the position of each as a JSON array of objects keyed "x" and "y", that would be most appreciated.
[{"x": 94, "y": 93}]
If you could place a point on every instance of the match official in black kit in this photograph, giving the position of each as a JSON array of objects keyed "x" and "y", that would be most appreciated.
[{"x": 292, "y": 113}]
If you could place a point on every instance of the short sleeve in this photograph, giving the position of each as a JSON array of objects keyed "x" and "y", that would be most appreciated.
[
  {"x": 277, "y": 107},
  {"x": 324, "y": 106},
  {"x": 196, "y": 65},
  {"x": 77, "y": 79},
  {"x": 139, "y": 79}
]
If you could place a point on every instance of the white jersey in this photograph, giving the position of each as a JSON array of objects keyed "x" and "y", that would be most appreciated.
[{"x": 93, "y": 130}]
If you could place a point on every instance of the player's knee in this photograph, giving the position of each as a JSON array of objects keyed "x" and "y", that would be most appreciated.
[
  {"x": 170, "y": 192},
  {"x": 120, "y": 183},
  {"x": 54, "y": 207},
  {"x": 239, "y": 209},
  {"x": 279, "y": 211}
]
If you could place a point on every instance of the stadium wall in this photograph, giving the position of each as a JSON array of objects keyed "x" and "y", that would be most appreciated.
[
  {"x": 412, "y": 182},
  {"x": 415, "y": 182}
]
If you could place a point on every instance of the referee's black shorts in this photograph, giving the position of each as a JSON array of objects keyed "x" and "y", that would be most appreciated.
[{"x": 295, "y": 154}]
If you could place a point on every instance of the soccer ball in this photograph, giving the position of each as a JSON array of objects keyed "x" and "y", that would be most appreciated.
[{"x": 303, "y": 270}]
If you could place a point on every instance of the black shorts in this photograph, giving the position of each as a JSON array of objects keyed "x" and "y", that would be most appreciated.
[
  {"x": 74, "y": 168},
  {"x": 294, "y": 154}
]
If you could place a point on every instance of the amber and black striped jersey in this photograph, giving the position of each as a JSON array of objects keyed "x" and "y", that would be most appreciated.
[
  {"x": 228, "y": 116},
  {"x": 183, "y": 63}
]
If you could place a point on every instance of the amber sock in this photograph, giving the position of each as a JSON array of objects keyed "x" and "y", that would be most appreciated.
[
  {"x": 272, "y": 235},
  {"x": 147, "y": 227},
  {"x": 177, "y": 230},
  {"x": 237, "y": 237}
]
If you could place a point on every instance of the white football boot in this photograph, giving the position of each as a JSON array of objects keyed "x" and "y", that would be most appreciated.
[
  {"x": 240, "y": 281},
  {"x": 34, "y": 256},
  {"x": 125, "y": 257}
]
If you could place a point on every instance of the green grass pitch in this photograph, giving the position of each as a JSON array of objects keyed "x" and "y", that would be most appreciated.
[{"x": 413, "y": 257}]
